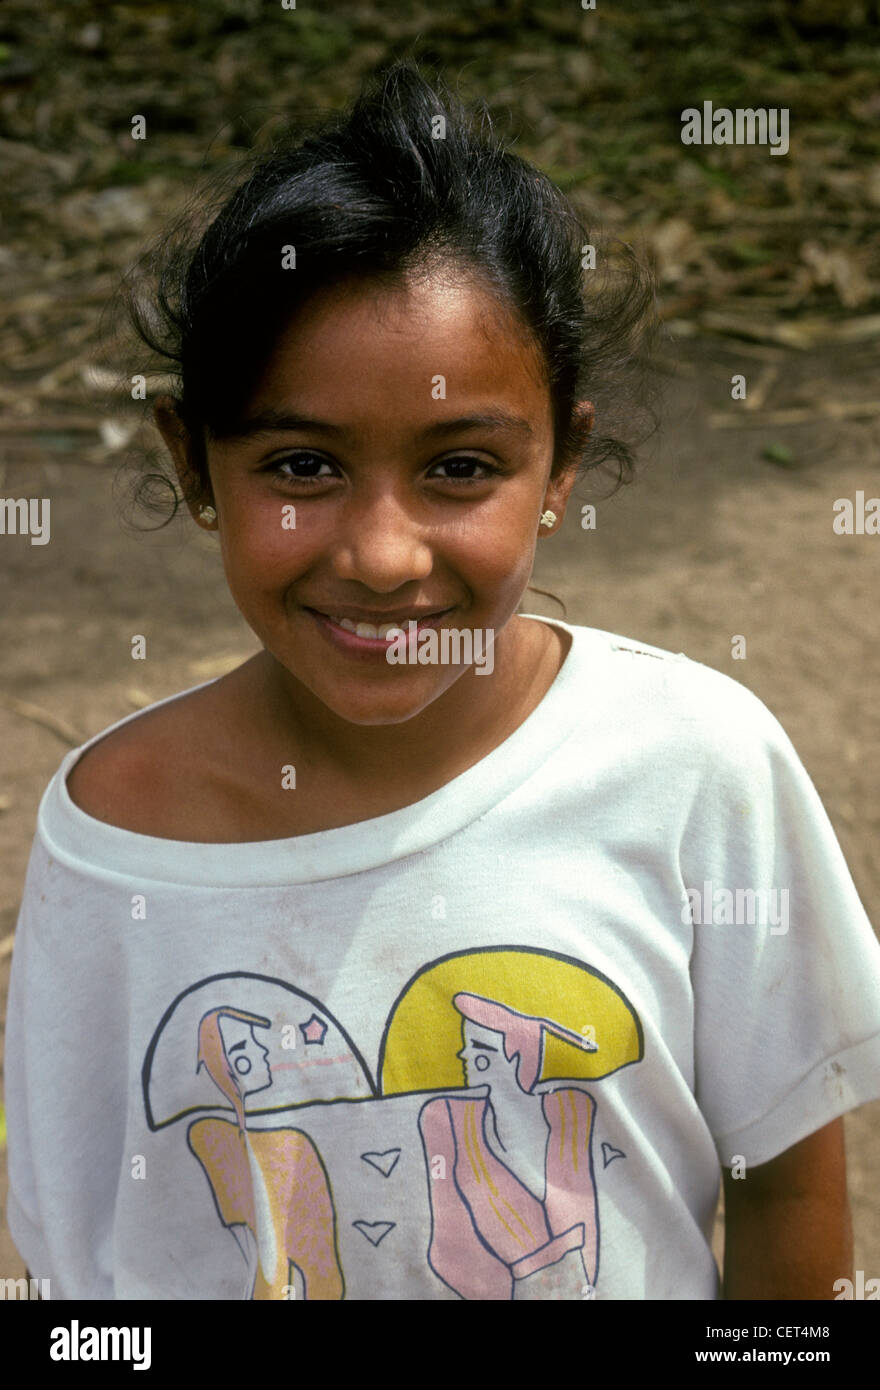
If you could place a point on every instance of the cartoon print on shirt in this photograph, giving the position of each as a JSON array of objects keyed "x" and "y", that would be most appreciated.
[
  {"x": 513, "y": 1196},
  {"x": 385, "y": 1163},
  {"x": 609, "y": 1153},
  {"x": 471, "y": 1155},
  {"x": 312, "y": 1057},
  {"x": 270, "y": 1186},
  {"x": 507, "y": 1160}
]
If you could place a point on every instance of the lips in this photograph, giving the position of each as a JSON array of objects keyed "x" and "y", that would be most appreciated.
[
  {"x": 363, "y": 629},
  {"x": 380, "y": 625},
  {"x": 366, "y": 638}
]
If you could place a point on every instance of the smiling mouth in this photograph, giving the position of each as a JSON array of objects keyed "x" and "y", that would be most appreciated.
[{"x": 382, "y": 630}]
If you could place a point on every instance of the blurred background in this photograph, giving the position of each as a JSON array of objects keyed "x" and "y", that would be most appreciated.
[{"x": 768, "y": 267}]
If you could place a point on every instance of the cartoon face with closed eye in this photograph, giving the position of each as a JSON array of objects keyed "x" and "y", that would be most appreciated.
[
  {"x": 247, "y": 1057},
  {"x": 483, "y": 1056}
]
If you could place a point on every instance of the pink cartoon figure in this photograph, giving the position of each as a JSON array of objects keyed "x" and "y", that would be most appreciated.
[
  {"x": 269, "y": 1185},
  {"x": 510, "y": 1175}
]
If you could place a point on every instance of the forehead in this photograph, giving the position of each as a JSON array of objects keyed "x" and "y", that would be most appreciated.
[
  {"x": 478, "y": 1033},
  {"x": 366, "y": 345},
  {"x": 233, "y": 1029}
]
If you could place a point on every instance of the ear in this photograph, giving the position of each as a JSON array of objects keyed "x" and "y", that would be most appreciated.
[
  {"x": 559, "y": 487},
  {"x": 179, "y": 444}
]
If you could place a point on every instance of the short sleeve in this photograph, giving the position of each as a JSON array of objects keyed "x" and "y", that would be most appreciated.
[
  {"x": 65, "y": 1065},
  {"x": 785, "y": 965}
]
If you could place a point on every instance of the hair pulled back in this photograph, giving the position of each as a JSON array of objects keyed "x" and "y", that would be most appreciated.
[{"x": 404, "y": 178}]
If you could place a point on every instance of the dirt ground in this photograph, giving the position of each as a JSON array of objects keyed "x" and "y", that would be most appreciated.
[{"x": 712, "y": 541}]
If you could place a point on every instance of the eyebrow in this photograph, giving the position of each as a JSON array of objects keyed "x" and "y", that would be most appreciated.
[
  {"x": 485, "y": 1046},
  {"x": 236, "y": 1047},
  {"x": 277, "y": 422}
]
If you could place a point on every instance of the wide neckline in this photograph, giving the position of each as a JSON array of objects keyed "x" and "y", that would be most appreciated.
[{"x": 74, "y": 835}]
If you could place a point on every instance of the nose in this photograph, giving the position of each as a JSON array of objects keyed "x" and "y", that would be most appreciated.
[{"x": 380, "y": 544}]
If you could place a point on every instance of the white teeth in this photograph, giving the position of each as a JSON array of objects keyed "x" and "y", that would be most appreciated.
[{"x": 383, "y": 630}]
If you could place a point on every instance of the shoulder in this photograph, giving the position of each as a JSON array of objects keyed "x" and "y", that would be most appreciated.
[
  {"x": 669, "y": 689},
  {"x": 684, "y": 733},
  {"x": 213, "y": 1136},
  {"x": 561, "y": 1101},
  {"x": 140, "y": 775}
]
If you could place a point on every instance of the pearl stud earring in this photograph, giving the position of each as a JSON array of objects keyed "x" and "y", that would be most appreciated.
[
  {"x": 207, "y": 514},
  {"x": 548, "y": 518}
]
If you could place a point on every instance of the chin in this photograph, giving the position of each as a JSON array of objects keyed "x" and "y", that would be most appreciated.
[
  {"x": 383, "y": 706},
  {"x": 380, "y": 713}
]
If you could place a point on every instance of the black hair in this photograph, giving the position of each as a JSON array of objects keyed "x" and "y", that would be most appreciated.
[{"x": 406, "y": 177}]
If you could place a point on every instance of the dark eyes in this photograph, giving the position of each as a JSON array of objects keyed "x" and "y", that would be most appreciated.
[
  {"x": 303, "y": 467},
  {"x": 461, "y": 468},
  {"x": 306, "y": 467}
]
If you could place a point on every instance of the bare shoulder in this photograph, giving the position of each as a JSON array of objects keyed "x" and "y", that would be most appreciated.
[{"x": 149, "y": 775}]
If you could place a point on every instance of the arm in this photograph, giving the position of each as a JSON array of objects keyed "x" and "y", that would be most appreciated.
[
  {"x": 571, "y": 1188},
  {"x": 456, "y": 1253},
  {"x": 66, "y": 1026},
  {"x": 788, "y": 1229}
]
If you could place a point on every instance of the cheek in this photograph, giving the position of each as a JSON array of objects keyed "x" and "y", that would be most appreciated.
[
  {"x": 504, "y": 562},
  {"x": 497, "y": 551},
  {"x": 262, "y": 550}
]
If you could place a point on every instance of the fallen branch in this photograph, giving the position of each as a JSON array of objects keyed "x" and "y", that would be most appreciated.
[
  {"x": 757, "y": 394},
  {"x": 64, "y": 424},
  {"x": 49, "y": 721},
  {"x": 799, "y": 333},
  {"x": 796, "y": 415}
]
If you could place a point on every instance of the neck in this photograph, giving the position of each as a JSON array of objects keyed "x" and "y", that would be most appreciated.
[
  {"x": 475, "y": 713},
  {"x": 509, "y": 1107}
]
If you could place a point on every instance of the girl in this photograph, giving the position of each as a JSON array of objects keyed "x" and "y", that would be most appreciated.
[{"x": 409, "y": 974}]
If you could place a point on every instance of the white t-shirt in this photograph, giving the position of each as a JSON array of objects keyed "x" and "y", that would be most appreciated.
[{"x": 493, "y": 1045}]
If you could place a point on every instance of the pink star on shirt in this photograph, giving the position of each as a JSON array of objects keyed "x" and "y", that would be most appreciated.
[{"x": 314, "y": 1031}]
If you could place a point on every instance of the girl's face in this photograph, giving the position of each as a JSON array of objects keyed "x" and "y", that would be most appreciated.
[{"x": 409, "y": 436}]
